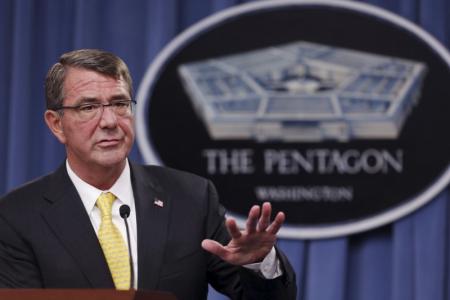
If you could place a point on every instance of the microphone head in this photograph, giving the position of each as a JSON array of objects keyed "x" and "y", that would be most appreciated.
[{"x": 124, "y": 211}]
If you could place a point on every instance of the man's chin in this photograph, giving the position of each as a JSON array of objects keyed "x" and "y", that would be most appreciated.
[{"x": 110, "y": 160}]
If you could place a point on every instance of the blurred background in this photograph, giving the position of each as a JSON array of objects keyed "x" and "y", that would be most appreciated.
[{"x": 409, "y": 259}]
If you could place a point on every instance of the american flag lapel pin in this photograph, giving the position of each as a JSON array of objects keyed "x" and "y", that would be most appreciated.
[{"x": 158, "y": 202}]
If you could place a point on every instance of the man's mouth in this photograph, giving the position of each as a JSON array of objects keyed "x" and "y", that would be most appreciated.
[{"x": 108, "y": 142}]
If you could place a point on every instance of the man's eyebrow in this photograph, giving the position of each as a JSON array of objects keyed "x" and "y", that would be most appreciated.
[
  {"x": 119, "y": 97},
  {"x": 88, "y": 100},
  {"x": 96, "y": 100}
]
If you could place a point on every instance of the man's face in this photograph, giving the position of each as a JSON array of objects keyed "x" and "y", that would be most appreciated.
[{"x": 105, "y": 140}]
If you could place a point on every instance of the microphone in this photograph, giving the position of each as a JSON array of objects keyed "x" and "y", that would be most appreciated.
[{"x": 125, "y": 213}]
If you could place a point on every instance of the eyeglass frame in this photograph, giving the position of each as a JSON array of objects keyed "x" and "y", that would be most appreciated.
[{"x": 131, "y": 103}]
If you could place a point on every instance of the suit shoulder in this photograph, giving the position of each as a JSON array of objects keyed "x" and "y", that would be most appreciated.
[{"x": 24, "y": 193}]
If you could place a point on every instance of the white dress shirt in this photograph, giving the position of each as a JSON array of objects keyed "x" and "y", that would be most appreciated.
[{"x": 123, "y": 190}]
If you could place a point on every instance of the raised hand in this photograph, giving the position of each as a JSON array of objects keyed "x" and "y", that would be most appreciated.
[{"x": 252, "y": 244}]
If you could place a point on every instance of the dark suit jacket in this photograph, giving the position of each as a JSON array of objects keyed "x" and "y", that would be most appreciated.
[{"x": 47, "y": 240}]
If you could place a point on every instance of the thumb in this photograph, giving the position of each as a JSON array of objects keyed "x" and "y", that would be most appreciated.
[{"x": 214, "y": 247}]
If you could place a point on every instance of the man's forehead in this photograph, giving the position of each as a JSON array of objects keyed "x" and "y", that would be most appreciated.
[{"x": 87, "y": 81}]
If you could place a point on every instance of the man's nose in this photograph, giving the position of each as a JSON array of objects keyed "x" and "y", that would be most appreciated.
[{"x": 108, "y": 119}]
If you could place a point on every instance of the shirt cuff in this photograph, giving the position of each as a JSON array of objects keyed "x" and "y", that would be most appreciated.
[{"x": 269, "y": 268}]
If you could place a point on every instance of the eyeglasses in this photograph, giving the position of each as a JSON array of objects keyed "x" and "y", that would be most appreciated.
[{"x": 89, "y": 111}]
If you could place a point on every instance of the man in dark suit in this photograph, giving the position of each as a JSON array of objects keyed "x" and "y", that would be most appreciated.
[{"x": 64, "y": 230}]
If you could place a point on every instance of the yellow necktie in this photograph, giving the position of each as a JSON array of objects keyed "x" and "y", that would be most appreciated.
[{"x": 113, "y": 245}]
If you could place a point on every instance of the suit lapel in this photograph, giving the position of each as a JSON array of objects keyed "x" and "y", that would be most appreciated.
[
  {"x": 70, "y": 223},
  {"x": 152, "y": 209}
]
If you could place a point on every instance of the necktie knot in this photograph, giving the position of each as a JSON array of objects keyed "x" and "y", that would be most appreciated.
[{"x": 105, "y": 202}]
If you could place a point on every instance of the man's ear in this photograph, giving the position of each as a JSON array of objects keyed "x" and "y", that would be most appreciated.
[{"x": 54, "y": 123}]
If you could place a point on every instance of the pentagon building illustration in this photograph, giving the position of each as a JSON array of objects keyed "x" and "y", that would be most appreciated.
[{"x": 304, "y": 92}]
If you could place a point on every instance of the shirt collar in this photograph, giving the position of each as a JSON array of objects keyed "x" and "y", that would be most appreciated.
[{"x": 122, "y": 188}]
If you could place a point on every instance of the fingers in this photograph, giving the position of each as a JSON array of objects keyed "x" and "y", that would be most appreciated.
[
  {"x": 264, "y": 220},
  {"x": 252, "y": 219},
  {"x": 233, "y": 229},
  {"x": 258, "y": 221},
  {"x": 276, "y": 224}
]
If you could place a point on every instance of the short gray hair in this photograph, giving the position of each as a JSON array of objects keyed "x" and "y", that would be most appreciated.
[{"x": 100, "y": 61}]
